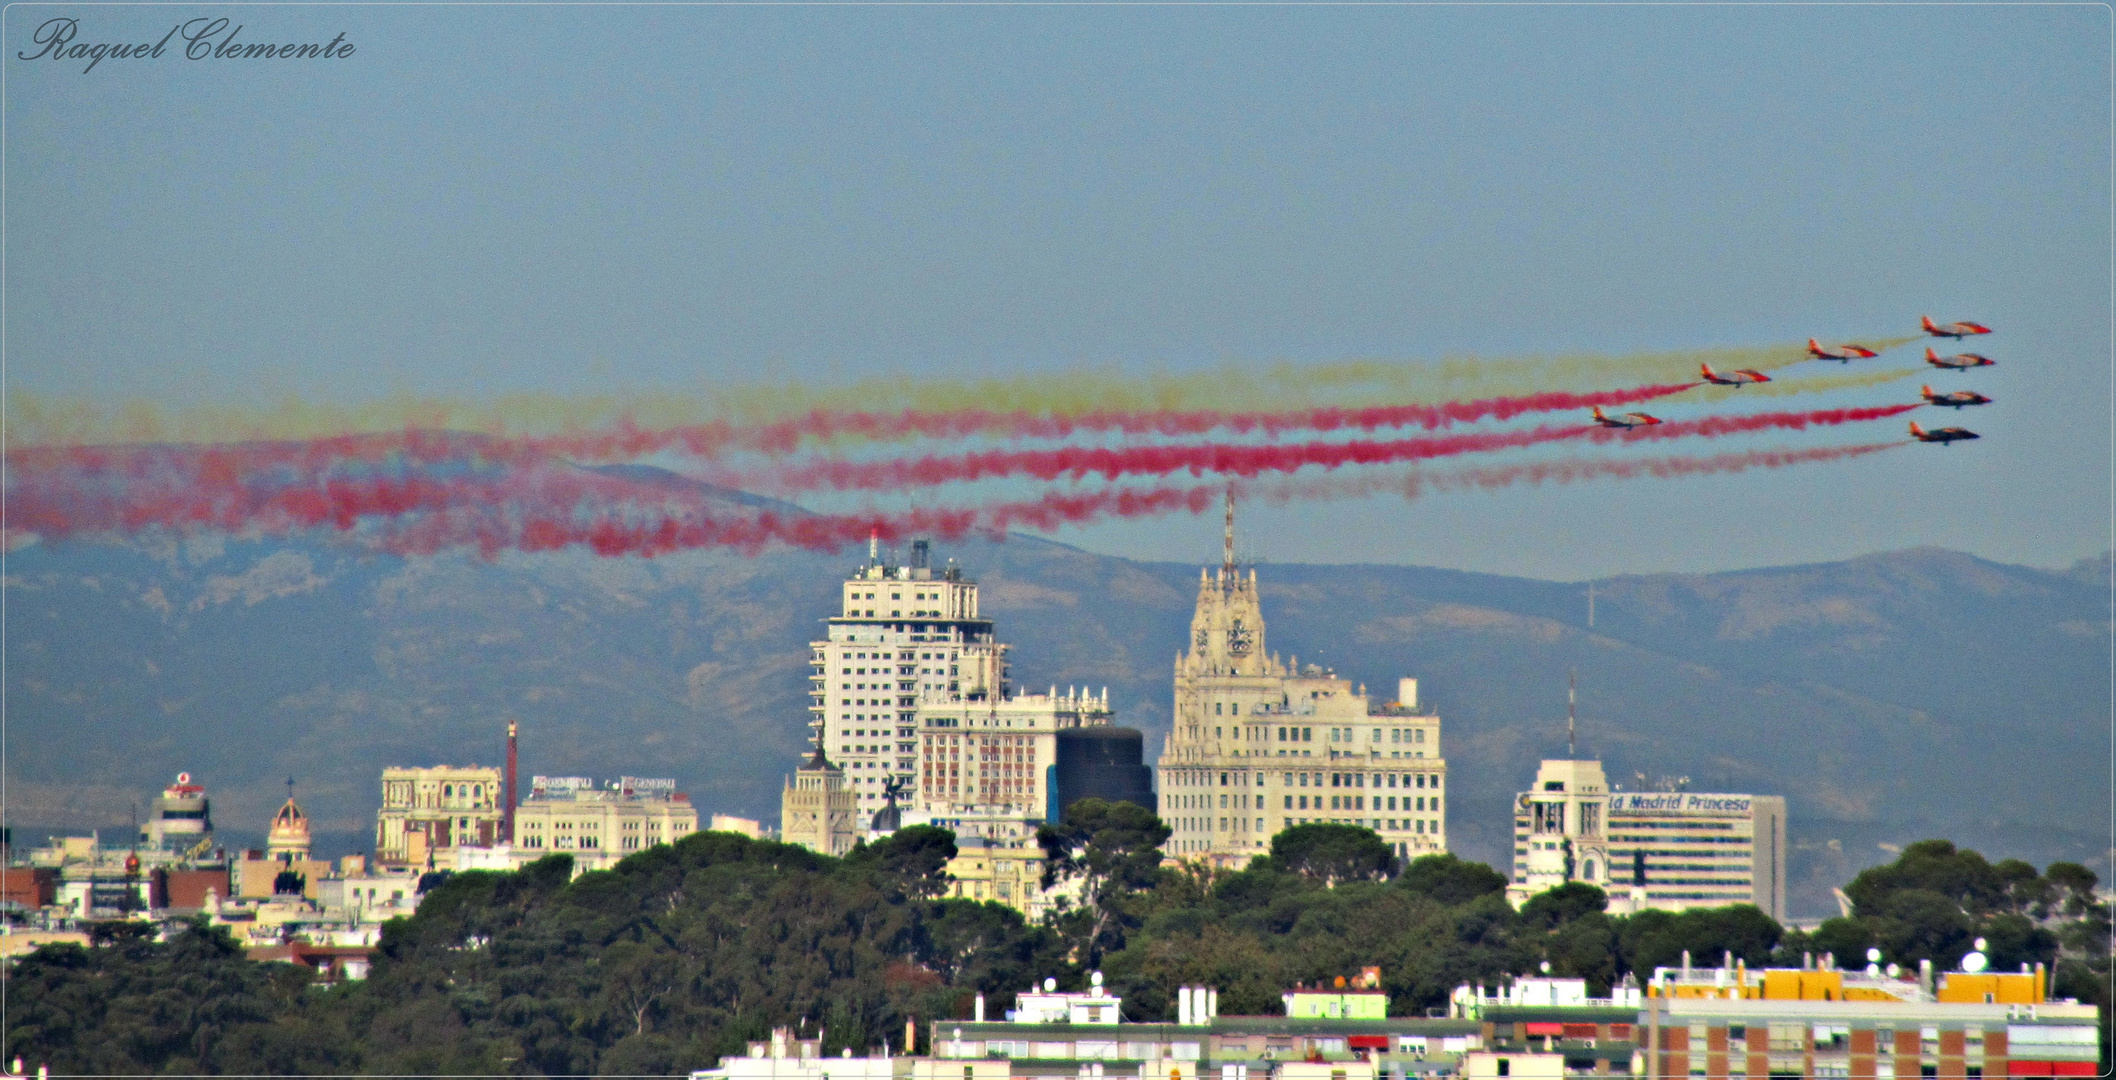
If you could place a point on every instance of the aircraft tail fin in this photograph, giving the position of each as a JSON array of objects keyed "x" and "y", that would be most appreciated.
[
  {"x": 1814, "y": 346},
  {"x": 1926, "y": 392},
  {"x": 1932, "y": 355},
  {"x": 1706, "y": 371},
  {"x": 1926, "y": 322},
  {"x": 1916, "y": 431},
  {"x": 1598, "y": 413}
]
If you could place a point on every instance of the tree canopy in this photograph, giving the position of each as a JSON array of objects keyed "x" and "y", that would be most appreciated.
[
  {"x": 1334, "y": 853},
  {"x": 684, "y": 952}
]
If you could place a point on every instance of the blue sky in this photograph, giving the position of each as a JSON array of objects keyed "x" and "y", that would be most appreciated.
[{"x": 493, "y": 199}]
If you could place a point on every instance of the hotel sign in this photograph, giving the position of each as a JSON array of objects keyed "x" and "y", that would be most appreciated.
[{"x": 1681, "y": 802}]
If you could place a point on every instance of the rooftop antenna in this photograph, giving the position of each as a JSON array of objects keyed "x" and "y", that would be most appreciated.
[
  {"x": 1227, "y": 554},
  {"x": 1572, "y": 702},
  {"x": 1590, "y": 603},
  {"x": 874, "y": 546}
]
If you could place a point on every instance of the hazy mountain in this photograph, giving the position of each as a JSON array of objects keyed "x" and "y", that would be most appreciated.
[{"x": 1889, "y": 698}]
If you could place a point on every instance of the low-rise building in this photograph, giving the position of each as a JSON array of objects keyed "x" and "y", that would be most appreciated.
[
  {"x": 1817, "y": 1022},
  {"x": 1359, "y": 998},
  {"x": 1051, "y": 1033},
  {"x": 180, "y": 819},
  {"x": 600, "y": 826},
  {"x": 427, "y": 812},
  {"x": 1007, "y": 871},
  {"x": 740, "y": 826}
]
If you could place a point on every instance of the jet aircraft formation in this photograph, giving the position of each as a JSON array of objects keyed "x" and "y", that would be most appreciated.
[{"x": 1845, "y": 354}]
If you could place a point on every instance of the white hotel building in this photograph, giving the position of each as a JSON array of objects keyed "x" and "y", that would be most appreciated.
[
  {"x": 909, "y": 690},
  {"x": 1671, "y": 850}
]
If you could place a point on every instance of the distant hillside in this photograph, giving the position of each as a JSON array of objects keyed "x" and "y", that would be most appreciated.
[{"x": 1920, "y": 693}]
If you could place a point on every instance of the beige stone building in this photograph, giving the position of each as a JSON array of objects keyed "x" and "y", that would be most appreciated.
[
  {"x": 600, "y": 826},
  {"x": 817, "y": 811},
  {"x": 1006, "y": 870},
  {"x": 994, "y": 754},
  {"x": 1258, "y": 744},
  {"x": 286, "y": 850},
  {"x": 427, "y": 813}
]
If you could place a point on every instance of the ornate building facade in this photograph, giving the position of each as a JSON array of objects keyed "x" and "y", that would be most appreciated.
[{"x": 1258, "y": 745}]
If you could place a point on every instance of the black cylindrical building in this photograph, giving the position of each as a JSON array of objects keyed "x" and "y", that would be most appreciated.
[{"x": 1103, "y": 763}]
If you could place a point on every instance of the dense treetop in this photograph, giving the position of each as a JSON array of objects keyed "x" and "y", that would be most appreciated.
[{"x": 684, "y": 952}]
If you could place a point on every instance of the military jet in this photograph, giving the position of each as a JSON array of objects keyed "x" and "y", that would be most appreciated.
[
  {"x": 1943, "y": 436},
  {"x": 1955, "y": 330},
  {"x": 1624, "y": 421},
  {"x": 1955, "y": 400},
  {"x": 1843, "y": 354},
  {"x": 1736, "y": 377},
  {"x": 1958, "y": 362}
]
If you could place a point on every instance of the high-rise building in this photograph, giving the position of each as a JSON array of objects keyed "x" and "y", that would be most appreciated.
[
  {"x": 1671, "y": 850},
  {"x": 1683, "y": 849},
  {"x": 910, "y": 693},
  {"x": 902, "y": 634},
  {"x": 1258, "y": 745},
  {"x": 1101, "y": 762}
]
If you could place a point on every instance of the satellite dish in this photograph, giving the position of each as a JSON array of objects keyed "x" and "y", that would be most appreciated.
[
  {"x": 1873, "y": 956},
  {"x": 1546, "y": 967},
  {"x": 1894, "y": 971},
  {"x": 1974, "y": 962}
]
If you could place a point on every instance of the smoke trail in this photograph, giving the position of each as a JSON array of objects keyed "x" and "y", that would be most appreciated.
[
  {"x": 630, "y": 441},
  {"x": 38, "y": 420},
  {"x": 319, "y": 457},
  {"x": 1819, "y": 384},
  {"x": 1111, "y": 464},
  {"x": 1563, "y": 471},
  {"x": 554, "y": 508},
  {"x": 225, "y": 496},
  {"x": 651, "y": 534}
]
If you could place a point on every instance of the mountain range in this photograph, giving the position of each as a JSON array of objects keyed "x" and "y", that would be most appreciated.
[{"x": 1889, "y": 698}]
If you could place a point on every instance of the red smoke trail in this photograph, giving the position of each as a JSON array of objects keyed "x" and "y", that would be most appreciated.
[
  {"x": 1252, "y": 460},
  {"x": 658, "y": 533},
  {"x": 1711, "y": 427},
  {"x": 53, "y": 506},
  {"x": 786, "y": 436}
]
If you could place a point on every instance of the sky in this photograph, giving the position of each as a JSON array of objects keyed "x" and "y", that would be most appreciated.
[{"x": 582, "y": 200}]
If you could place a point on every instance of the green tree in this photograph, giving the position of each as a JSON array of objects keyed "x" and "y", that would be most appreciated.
[
  {"x": 1333, "y": 853},
  {"x": 1652, "y": 939},
  {"x": 1450, "y": 879},
  {"x": 1108, "y": 852}
]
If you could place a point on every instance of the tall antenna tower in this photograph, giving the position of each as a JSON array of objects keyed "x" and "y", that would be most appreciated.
[
  {"x": 1572, "y": 704},
  {"x": 1227, "y": 553}
]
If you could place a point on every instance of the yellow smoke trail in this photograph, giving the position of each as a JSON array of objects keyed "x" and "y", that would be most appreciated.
[{"x": 37, "y": 420}]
